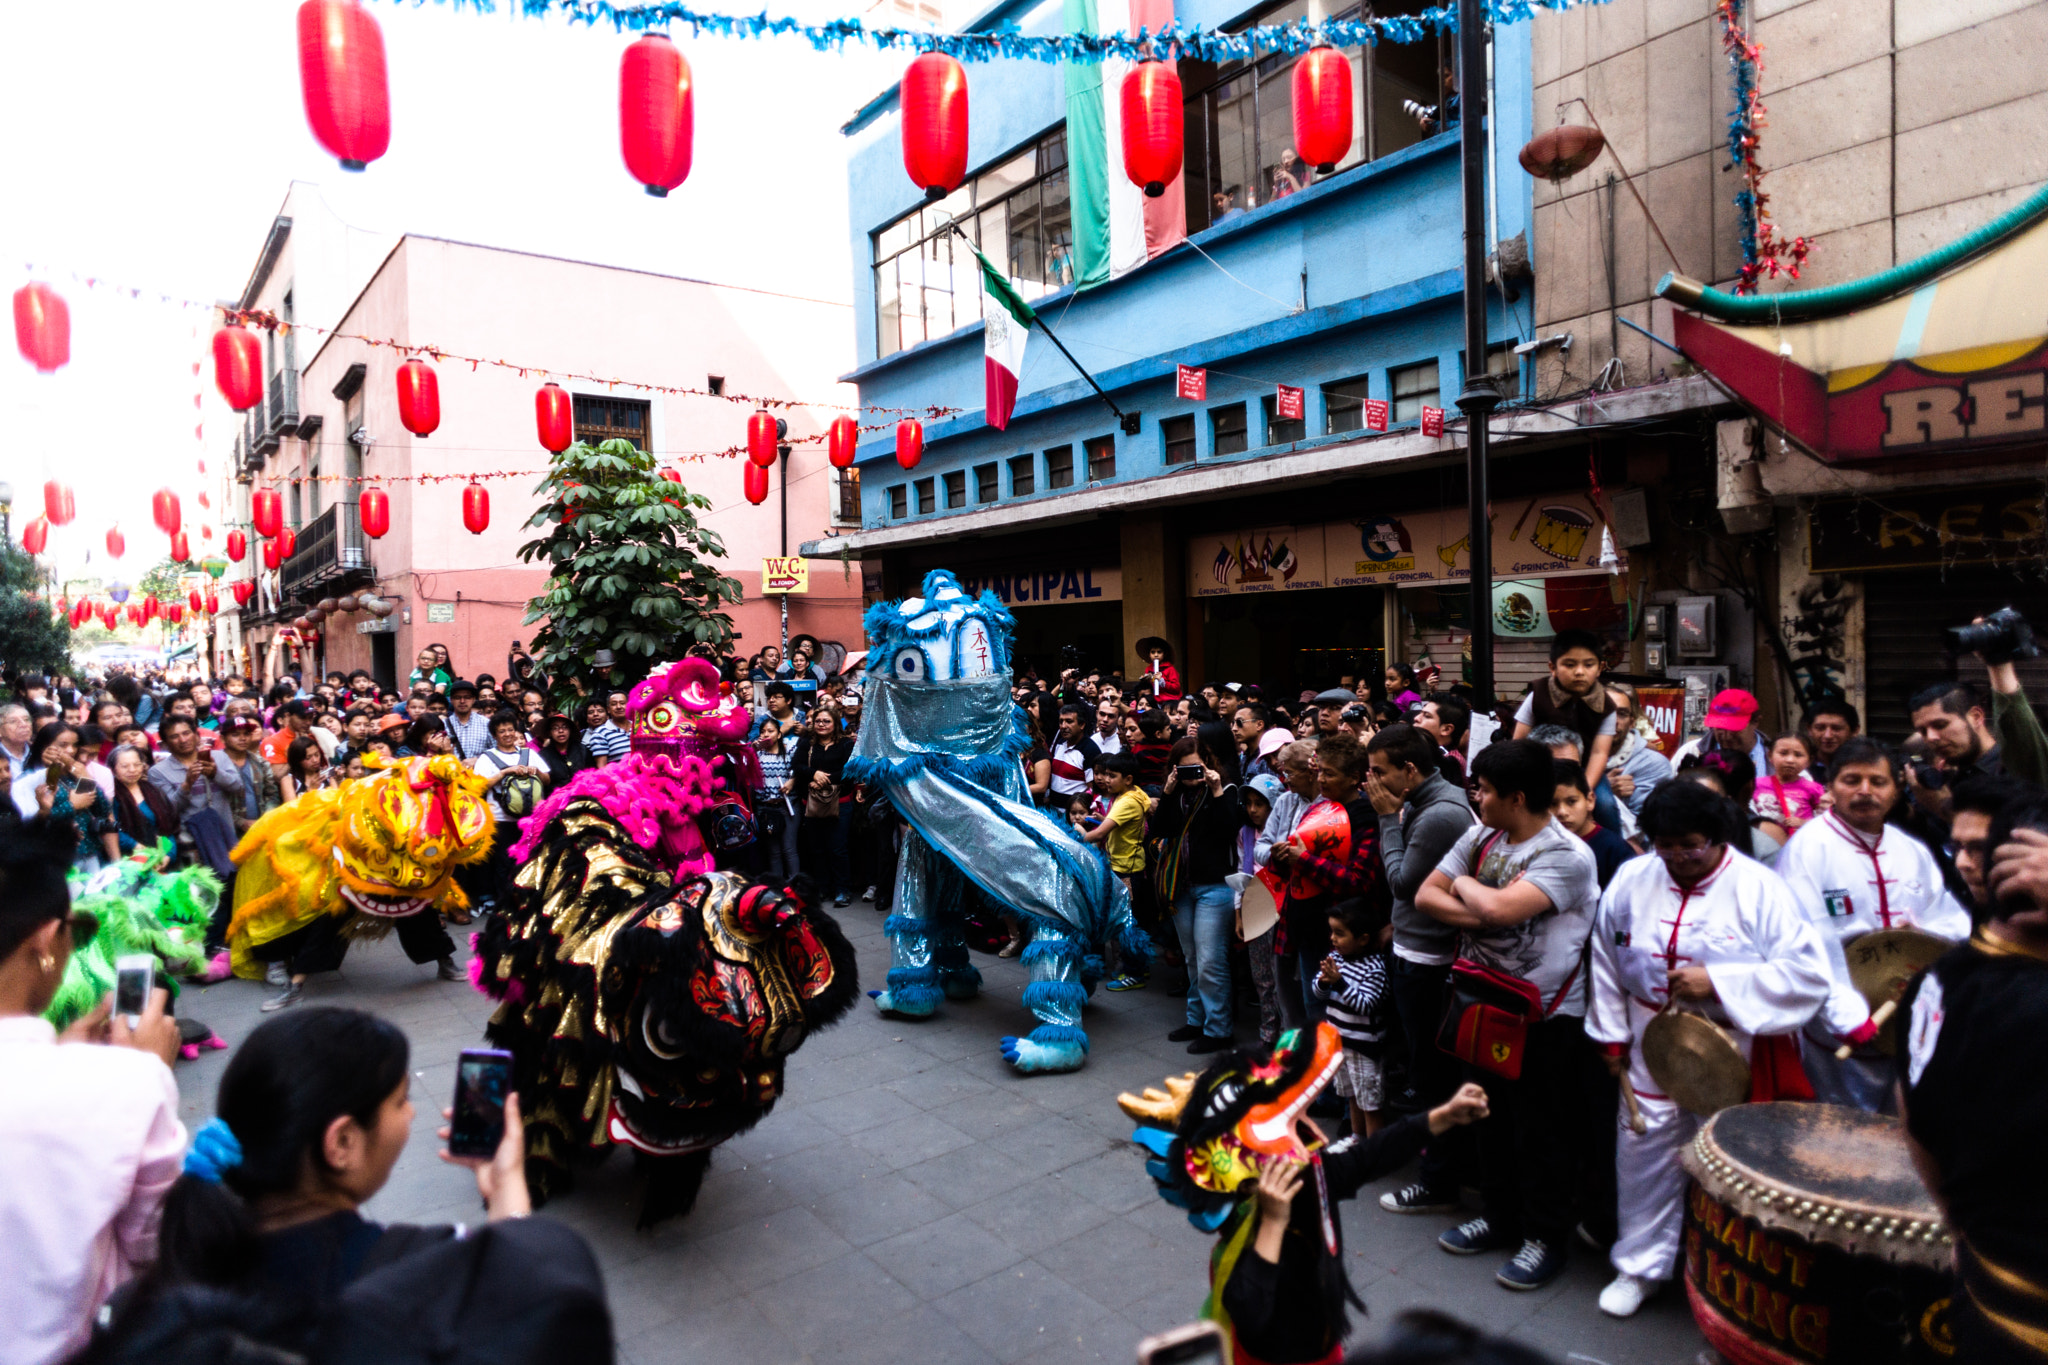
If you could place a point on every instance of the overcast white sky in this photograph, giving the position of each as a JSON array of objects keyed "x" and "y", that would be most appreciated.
[{"x": 150, "y": 141}]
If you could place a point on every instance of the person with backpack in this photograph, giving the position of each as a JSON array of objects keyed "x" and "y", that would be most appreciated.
[{"x": 517, "y": 775}]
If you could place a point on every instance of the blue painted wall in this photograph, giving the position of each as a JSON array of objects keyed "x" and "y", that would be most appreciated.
[{"x": 1381, "y": 245}]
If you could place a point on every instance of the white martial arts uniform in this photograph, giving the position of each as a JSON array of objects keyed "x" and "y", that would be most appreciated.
[
  {"x": 1770, "y": 973},
  {"x": 1848, "y": 886}
]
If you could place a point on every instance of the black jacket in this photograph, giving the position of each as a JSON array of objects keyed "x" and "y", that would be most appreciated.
[{"x": 1211, "y": 825}]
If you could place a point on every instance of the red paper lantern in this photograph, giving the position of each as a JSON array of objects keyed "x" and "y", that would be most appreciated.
[
  {"x": 909, "y": 442},
  {"x": 376, "y": 507},
  {"x": 271, "y": 558},
  {"x": 1152, "y": 116},
  {"x": 1322, "y": 108},
  {"x": 212, "y": 602},
  {"x": 36, "y": 535},
  {"x": 419, "y": 397},
  {"x": 287, "y": 543},
  {"x": 117, "y": 544},
  {"x": 238, "y": 546},
  {"x": 134, "y": 614},
  {"x": 175, "y": 613},
  {"x": 671, "y": 476},
  {"x": 341, "y": 75},
  {"x": 757, "y": 483},
  {"x": 655, "y": 116},
  {"x": 476, "y": 508},
  {"x": 934, "y": 103},
  {"x": 238, "y": 367},
  {"x": 150, "y": 608},
  {"x": 266, "y": 511},
  {"x": 42, "y": 326},
  {"x": 555, "y": 416},
  {"x": 193, "y": 598},
  {"x": 244, "y": 589},
  {"x": 163, "y": 509},
  {"x": 839, "y": 446},
  {"x": 58, "y": 505},
  {"x": 761, "y": 439},
  {"x": 181, "y": 549}
]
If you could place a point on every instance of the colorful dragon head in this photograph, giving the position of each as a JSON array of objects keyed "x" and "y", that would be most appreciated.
[
  {"x": 941, "y": 635},
  {"x": 684, "y": 709},
  {"x": 1211, "y": 1134},
  {"x": 403, "y": 830}
]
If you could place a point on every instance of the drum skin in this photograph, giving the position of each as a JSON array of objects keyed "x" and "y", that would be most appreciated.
[{"x": 1808, "y": 1238}]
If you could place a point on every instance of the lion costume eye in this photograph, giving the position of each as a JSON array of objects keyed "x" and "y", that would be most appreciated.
[
  {"x": 909, "y": 665},
  {"x": 662, "y": 718}
]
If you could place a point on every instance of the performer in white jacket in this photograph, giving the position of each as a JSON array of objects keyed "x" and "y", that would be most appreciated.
[
  {"x": 1852, "y": 874},
  {"x": 1703, "y": 928}
]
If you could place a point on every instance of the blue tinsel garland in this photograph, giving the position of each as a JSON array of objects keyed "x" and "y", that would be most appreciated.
[{"x": 1007, "y": 42}]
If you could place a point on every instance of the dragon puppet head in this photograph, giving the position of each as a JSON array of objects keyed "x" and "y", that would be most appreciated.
[
  {"x": 402, "y": 832},
  {"x": 941, "y": 635},
  {"x": 683, "y": 708},
  {"x": 1211, "y": 1134}
]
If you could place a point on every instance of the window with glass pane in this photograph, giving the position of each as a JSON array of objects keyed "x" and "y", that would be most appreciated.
[
  {"x": 1506, "y": 368},
  {"x": 1059, "y": 467},
  {"x": 848, "y": 488},
  {"x": 1023, "y": 476},
  {"x": 1344, "y": 405},
  {"x": 926, "y": 496},
  {"x": 1415, "y": 388},
  {"x": 1101, "y": 458},
  {"x": 899, "y": 503},
  {"x": 611, "y": 419},
  {"x": 926, "y": 281},
  {"x": 956, "y": 489},
  {"x": 1227, "y": 434},
  {"x": 1282, "y": 431},
  {"x": 985, "y": 483},
  {"x": 1177, "y": 439}
]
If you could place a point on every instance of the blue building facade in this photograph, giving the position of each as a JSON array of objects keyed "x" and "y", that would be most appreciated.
[{"x": 1345, "y": 286}]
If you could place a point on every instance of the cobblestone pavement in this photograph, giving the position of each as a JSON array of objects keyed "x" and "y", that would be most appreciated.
[{"x": 912, "y": 1199}]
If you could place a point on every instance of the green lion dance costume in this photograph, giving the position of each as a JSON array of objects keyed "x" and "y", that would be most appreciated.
[{"x": 139, "y": 910}]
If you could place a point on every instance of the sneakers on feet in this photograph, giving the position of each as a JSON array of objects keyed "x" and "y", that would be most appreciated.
[
  {"x": 284, "y": 999},
  {"x": 1208, "y": 1043},
  {"x": 1623, "y": 1297},
  {"x": 1419, "y": 1198},
  {"x": 1186, "y": 1033},
  {"x": 275, "y": 975},
  {"x": 1535, "y": 1265},
  {"x": 1012, "y": 948},
  {"x": 1127, "y": 982},
  {"x": 1471, "y": 1237},
  {"x": 448, "y": 971},
  {"x": 868, "y": 894},
  {"x": 842, "y": 900}
]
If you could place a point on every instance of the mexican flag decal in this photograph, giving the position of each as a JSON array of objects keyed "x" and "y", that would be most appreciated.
[{"x": 1008, "y": 322}]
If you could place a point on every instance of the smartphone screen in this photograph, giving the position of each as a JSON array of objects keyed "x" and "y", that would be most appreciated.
[
  {"x": 483, "y": 1077},
  {"x": 1198, "y": 1343},
  {"x": 134, "y": 979}
]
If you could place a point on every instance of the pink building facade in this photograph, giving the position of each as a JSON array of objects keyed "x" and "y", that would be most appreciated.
[{"x": 330, "y": 428}]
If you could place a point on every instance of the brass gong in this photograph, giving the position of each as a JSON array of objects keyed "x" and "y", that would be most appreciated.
[
  {"x": 1880, "y": 966},
  {"x": 1695, "y": 1062}
]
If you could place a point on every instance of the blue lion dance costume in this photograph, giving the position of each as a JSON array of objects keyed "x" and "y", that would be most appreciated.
[{"x": 942, "y": 738}]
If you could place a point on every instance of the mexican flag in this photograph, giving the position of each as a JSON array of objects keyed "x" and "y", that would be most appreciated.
[
  {"x": 1007, "y": 326},
  {"x": 1116, "y": 228}
]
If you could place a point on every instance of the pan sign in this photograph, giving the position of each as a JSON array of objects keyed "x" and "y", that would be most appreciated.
[{"x": 785, "y": 575}]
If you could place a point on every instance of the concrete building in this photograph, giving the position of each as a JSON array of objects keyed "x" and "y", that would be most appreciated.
[{"x": 329, "y": 428}]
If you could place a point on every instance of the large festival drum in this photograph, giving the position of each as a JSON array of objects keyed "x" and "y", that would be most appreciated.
[{"x": 1809, "y": 1237}]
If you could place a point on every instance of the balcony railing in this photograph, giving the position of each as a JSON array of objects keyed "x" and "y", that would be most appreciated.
[
  {"x": 332, "y": 552},
  {"x": 283, "y": 403}
]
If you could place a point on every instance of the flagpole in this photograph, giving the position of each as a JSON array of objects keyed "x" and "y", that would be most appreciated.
[{"x": 1127, "y": 422}]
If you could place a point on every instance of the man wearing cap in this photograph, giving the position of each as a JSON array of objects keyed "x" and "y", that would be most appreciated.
[
  {"x": 1731, "y": 724},
  {"x": 261, "y": 791},
  {"x": 1330, "y": 706},
  {"x": 470, "y": 731}
]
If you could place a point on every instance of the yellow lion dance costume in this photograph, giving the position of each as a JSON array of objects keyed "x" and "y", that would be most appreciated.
[{"x": 373, "y": 851}]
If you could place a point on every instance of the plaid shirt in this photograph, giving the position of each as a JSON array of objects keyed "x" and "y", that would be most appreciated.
[{"x": 1361, "y": 875}]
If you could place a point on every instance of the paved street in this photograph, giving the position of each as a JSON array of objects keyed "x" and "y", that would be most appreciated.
[{"x": 913, "y": 1199}]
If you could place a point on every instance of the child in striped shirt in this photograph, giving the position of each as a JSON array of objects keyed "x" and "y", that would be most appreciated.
[{"x": 1352, "y": 983}]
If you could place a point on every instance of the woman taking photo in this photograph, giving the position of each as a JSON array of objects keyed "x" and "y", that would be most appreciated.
[
  {"x": 815, "y": 770},
  {"x": 142, "y": 813},
  {"x": 57, "y": 784},
  {"x": 305, "y": 769},
  {"x": 775, "y": 811},
  {"x": 1198, "y": 816}
]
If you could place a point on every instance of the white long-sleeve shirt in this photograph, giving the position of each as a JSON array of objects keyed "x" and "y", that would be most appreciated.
[
  {"x": 1768, "y": 965},
  {"x": 1848, "y": 885}
]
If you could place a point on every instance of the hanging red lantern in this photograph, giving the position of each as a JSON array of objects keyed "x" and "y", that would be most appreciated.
[
  {"x": 671, "y": 476},
  {"x": 42, "y": 326},
  {"x": 58, "y": 504},
  {"x": 243, "y": 589},
  {"x": 761, "y": 437},
  {"x": 163, "y": 509},
  {"x": 238, "y": 546},
  {"x": 655, "y": 115},
  {"x": 238, "y": 367},
  {"x": 569, "y": 504},
  {"x": 476, "y": 509},
  {"x": 205, "y": 503},
  {"x": 117, "y": 544},
  {"x": 150, "y": 607},
  {"x": 181, "y": 549},
  {"x": 133, "y": 613},
  {"x": 266, "y": 510},
  {"x": 555, "y": 416},
  {"x": 193, "y": 598},
  {"x": 909, "y": 442},
  {"x": 419, "y": 397},
  {"x": 287, "y": 543},
  {"x": 1152, "y": 125},
  {"x": 341, "y": 75},
  {"x": 1322, "y": 108},
  {"x": 212, "y": 602},
  {"x": 933, "y": 97},
  {"x": 757, "y": 483},
  {"x": 376, "y": 509},
  {"x": 843, "y": 438},
  {"x": 175, "y": 613},
  {"x": 36, "y": 535},
  {"x": 271, "y": 559}
]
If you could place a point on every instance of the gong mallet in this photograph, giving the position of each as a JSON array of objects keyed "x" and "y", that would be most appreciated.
[
  {"x": 1880, "y": 1017},
  {"x": 1635, "y": 1113}
]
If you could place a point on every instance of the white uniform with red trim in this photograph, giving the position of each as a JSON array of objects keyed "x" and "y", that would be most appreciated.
[
  {"x": 1849, "y": 885},
  {"x": 1770, "y": 973}
]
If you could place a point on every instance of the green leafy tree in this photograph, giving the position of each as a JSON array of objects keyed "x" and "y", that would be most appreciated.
[
  {"x": 32, "y": 639},
  {"x": 162, "y": 581},
  {"x": 628, "y": 571}
]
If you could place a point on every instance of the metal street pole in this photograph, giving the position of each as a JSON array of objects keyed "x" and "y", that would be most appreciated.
[
  {"x": 1479, "y": 396},
  {"x": 782, "y": 429}
]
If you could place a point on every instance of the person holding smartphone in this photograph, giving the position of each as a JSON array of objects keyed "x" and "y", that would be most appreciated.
[{"x": 59, "y": 787}]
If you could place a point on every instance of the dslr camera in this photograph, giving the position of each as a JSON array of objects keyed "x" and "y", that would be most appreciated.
[
  {"x": 2001, "y": 637},
  {"x": 1424, "y": 113}
]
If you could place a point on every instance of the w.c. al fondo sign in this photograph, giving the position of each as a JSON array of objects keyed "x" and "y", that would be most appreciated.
[
  {"x": 1046, "y": 585},
  {"x": 785, "y": 575}
]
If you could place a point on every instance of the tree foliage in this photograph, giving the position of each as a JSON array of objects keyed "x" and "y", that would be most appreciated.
[
  {"x": 627, "y": 556},
  {"x": 162, "y": 581},
  {"x": 32, "y": 639}
]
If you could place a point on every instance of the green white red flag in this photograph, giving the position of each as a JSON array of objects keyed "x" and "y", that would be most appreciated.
[{"x": 1007, "y": 322}]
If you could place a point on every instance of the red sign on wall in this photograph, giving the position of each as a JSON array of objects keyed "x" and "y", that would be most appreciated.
[
  {"x": 1287, "y": 404},
  {"x": 1432, "y": 421},
  {"x": 1189, "y": 382},
  {"x": 1375, "y": 414}
]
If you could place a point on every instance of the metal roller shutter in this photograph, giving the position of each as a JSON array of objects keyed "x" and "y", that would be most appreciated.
[{"x": 1904, "y": 616}]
